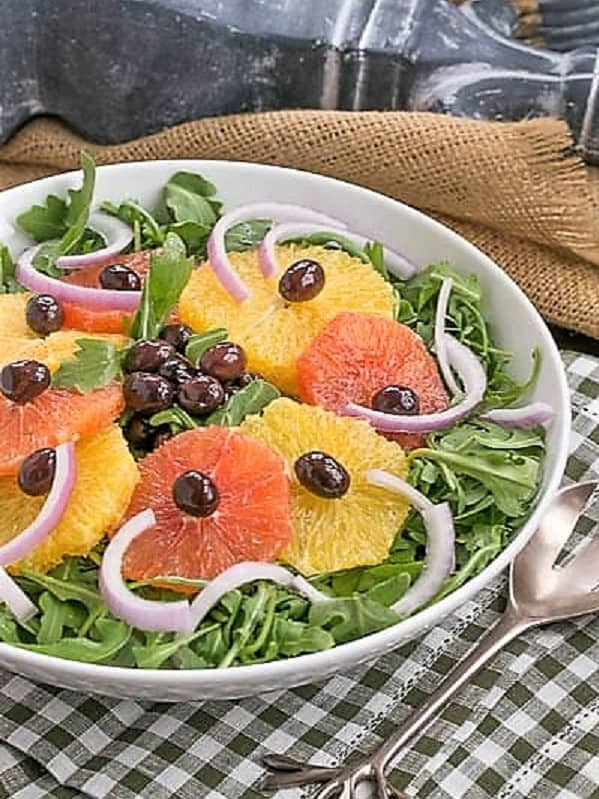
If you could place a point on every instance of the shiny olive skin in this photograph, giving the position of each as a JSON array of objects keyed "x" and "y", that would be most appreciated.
[
  {"x": 23, "y": 381},
  {"x": 225, "y": 361},
  {"x": 176, "y": 334},
  {"x": 37, "y": 472},
  {"x": 147, "y": 393},
  {"x": 302, "y": 281},
  {"x": 246, "y": 378},
  {"x": 139, "y": 432},
  {"x": 119, "y": 277},
  {"x": 322, "y": 474},
  {"x": 195, "y": 493},
  {"x": 200, "y": 395},
  {"x": 148, "y": 355},
  {"x": 44, "y": 314},
  {"x": 396, "y": 399},
  {"x": 177, "y": 370}
]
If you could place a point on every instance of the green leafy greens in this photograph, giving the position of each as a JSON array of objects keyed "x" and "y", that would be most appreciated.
[
  {"x": 95, "y": 364},
  {"x": 65, "y": 221},
  {"x": 8, "y": 282}
]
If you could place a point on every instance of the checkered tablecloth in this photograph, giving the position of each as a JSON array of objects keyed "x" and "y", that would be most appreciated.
[{"x": 527, "y": 727}]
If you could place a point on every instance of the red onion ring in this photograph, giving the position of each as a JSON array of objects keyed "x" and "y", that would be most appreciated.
[
  {"x": 180, "y": 616},
  {"x": 246, "y": 572},
  {"x": 52, "y": 510},
  {"x": 440, "y": 340},
  {"x": 15, "y": 599},
  {"x": 217, "y": 254},
  {"x": 439, "y": 560},
  {"x": 473, "y": 378},
  {"x": 95, "y": 299},
  {"x": 527, "y": 416},
  {"x": 145, "y": 614},
  {"x": 117, "y": 235},
  {"x": 398, "y": 264}
]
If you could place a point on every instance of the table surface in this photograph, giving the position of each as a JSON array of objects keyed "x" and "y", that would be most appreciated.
[{"x": 527, "y": 727}]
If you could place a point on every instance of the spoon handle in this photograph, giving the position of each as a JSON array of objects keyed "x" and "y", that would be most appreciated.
[{"x": 508, "y": 627}]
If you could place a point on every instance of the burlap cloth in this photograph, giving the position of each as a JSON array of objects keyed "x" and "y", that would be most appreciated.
[{"x": 517, "y": 190}]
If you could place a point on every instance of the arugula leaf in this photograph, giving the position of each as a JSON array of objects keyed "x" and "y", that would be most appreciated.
[
  {"x": 376, "y": 255},
  {"x": 68, "y": 589},
  {"x": 154, "y": 654},
  {"x": 416, "y": 305},
  {"x": 294, "y": 638},
  {"x": 111, "y": 635},
  {"x": 333, "y": 241},
  {"x": 354, "y": 617},
  {"x": 8, "y": 283},
  {"x": 95, "y": 364},
  {"x": 43, "y": 222},
  {"x": 169, "y": 272},
  {"x": 200, "y": 342},
  {"x": 511, "y": 477},
  {"x": 246, "y": 235},
  {"x": 185, "y": 198},
  {"x": 194, "y": 234},
  {"x": 151, "y": 232},
  {"x": 176, "y": 417},
  {"x": 248, "y": 400},
  {"x": 79, "y": 206}
]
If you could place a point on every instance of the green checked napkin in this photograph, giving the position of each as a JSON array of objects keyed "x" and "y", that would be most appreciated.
[{"x": 527, "y": 727}]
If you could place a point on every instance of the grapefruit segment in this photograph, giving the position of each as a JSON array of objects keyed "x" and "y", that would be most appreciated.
[
  {"x": 106, "y": 476},
  {"x": 355, "y": 529},
  {"x": 274, "y": 332},
  {"x": 252, "y": 520},
  {"x": 53, "y": 417},
  {"x": 102, "y": 321},
  {"x": 356, "y": 355}
]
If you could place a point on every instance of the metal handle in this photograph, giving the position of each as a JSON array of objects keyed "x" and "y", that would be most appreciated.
[{"x": 508, "y": 627}]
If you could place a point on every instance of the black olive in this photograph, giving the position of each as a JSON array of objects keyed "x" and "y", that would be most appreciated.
[
  {"x": 200, "y": 395},
  {"x": 322, "y": 474},
  {"x": 195, "y": 493},
  {"x": 225, "y": 361},
  {"x": 302, "y": 281},
  {"x": 177, "y": 370},
  {"x": 147, "y": 393},
  {"x": 37, "y": 472},
  {"x": 148, "y": 355},
  {"x": 177, "y": 335},
  {"x": 44, "y": 314},
  {"x": 399, "y": 400},
  {"x": 118, "y": 277},
  {"x": 23, "y": 381}
]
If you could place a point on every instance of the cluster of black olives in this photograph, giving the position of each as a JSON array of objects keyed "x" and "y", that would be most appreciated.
[{"x": 158, "y": 375}]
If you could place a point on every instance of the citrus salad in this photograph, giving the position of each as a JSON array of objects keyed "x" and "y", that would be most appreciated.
[{"x": 231, "y": 438}]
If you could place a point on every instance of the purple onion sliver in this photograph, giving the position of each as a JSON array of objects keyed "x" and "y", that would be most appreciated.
[
  {"x": 117, "y": 235},
  {"x": 537, "y": 413}
]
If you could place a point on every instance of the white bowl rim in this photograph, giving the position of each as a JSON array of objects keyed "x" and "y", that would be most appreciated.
[{"x": 360, "y": 649}]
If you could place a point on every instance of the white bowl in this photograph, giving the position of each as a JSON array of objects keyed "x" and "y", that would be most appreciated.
[{"x": 518, "y": 328}]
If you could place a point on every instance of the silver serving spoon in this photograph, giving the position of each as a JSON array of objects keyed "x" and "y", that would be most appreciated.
[{"x": 539, "y": 592}]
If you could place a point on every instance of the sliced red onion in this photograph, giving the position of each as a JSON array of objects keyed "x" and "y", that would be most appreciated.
[
  {"x": 15, "y": 599},
  {"x": 398, "y": 264},
  {"x": 440, "y": 340},
  {"x": 217, "y": 254},
  {"x": 526, "y": 416},
  {"x": 95, "y": 299},
  {"x": 439, "y": 560},
  {"x": 473, "y": 378},
  {"x": 51, "y": 512},
  {"x": 247, "y": 572},
  {"x": 144, "y": 614},
  {"x": 116, "y": 234},
  {"x": 180, "y": 616}
]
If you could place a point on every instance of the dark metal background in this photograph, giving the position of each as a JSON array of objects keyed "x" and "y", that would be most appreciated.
[{"x": 117, "y": 69}]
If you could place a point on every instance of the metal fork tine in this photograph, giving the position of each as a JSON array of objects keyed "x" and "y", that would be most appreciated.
[
  {"x": 282, "y": 762},
  {"x": 584, "y": 566},
  {"x": 331, "y": 789},
  {"x": 298, "y": 777},
  {"x": 557, "y": 526}
]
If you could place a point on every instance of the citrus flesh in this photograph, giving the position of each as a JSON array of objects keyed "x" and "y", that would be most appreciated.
[
  {"x": 106, "y": 477},
  {"x": 252, "y": 520},
  {"x": 274, "y": 332},
  {"x": 356, "y": 355},
  {"x": 356, "y": 529},
  {"x": 95, "y": 320},
  {"x": 55, "y": 416}
]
